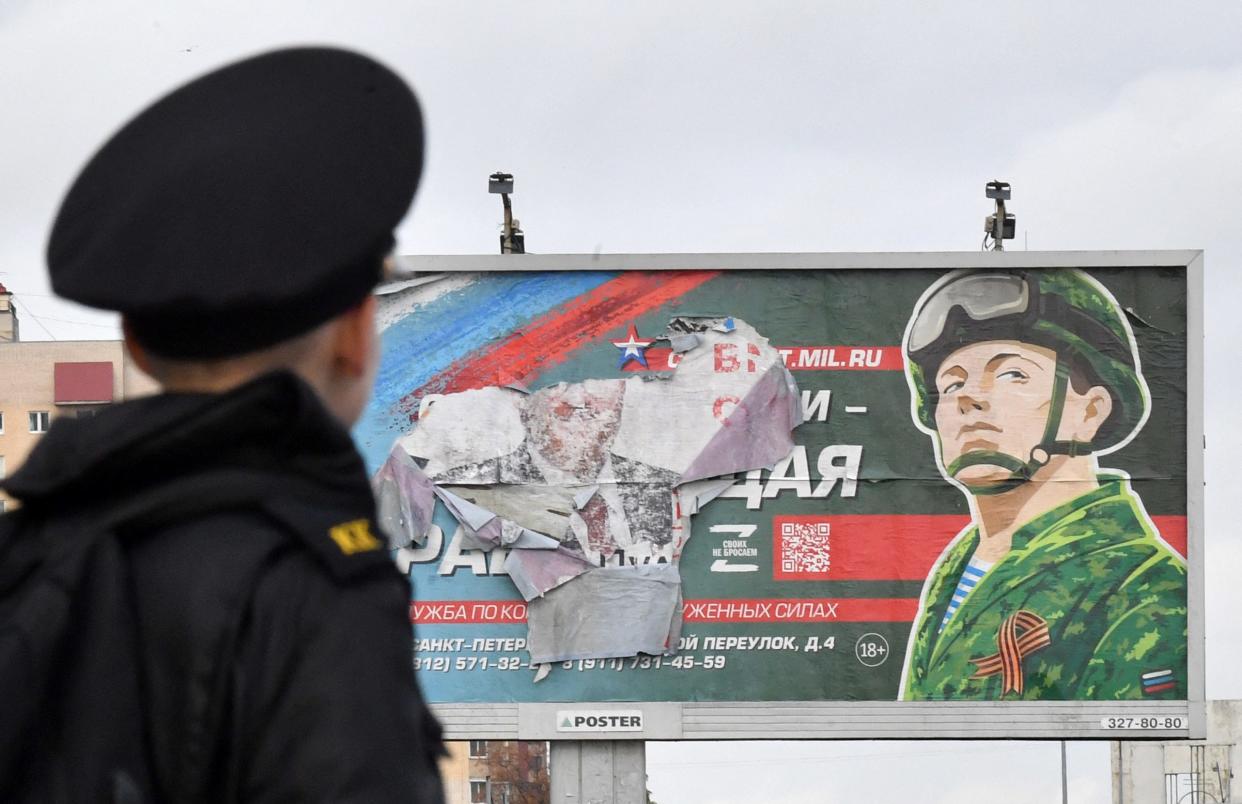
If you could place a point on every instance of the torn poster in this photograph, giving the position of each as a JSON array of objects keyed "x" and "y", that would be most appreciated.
[
  {"x": 406, "y": 499},
  {"x": 590, "y": 485},
  {"x": 608, "y": 612}
]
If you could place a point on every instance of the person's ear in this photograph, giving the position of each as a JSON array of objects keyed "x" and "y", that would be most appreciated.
[
  {"x": 1096, "y": 405},
  {"x": 136, "y": 349},
  {"x": 354, "y": 338}
]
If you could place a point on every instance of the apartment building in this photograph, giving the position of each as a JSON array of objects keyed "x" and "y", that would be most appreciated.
[
  {"x": 41, "y": 381},
  {"x": 495, "y": 772}
]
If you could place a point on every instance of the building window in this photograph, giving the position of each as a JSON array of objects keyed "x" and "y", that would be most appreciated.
[
  {"x": 40, "y": 420},
  {"x": 478, "y": 748},
  {"x": 2, "y": 474},
  {"x": 1, "y": 422},
  {"x": 478, "y": 791}
]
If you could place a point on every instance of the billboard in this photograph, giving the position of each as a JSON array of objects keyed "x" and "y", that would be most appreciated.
[{"x": 798, "y": 495}]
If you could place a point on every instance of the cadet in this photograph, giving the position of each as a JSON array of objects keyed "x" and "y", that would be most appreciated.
[
  {"x": 1061, "y": 588},
  {"x": 239, "y": 226}
]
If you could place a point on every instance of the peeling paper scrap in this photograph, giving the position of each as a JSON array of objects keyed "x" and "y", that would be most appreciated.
[
  {"x": 517, "y": 537},
  {"x": 607, "y": 613},
  {"x": 733, "y": 400},
  {"x": 556, "y": 436},
  {"x": 468, "y": 429},
  {"x": 612, "y": 469},
  {"x": 405, "y": 500},
  {"x": 487, "y": 538},
  {"x": 692, "y": 323},
  {"x": 756, "y": 429},
  {"x": 543, "y": 509},
  {"x": 536, "y": 573},
  {"x": 622, "y": 517},
  {"x": 684, "y": 342},
  {"x": 698, "y": 493},
  {"x": 583, "y": 497},
  {"x": 473, "y": 516},
  {"x": 483, "y": 530},
  {"x": 699, "y": 323}
]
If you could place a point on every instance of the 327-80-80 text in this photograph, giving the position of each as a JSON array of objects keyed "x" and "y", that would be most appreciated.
[{"x": 1142, "y": 722}]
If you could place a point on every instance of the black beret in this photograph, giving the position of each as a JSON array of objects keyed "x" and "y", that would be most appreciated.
[{"x": 246, "y": 207}]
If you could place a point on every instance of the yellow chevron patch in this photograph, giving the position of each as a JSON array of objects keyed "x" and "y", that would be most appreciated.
[{"x": 354, "y": 536}]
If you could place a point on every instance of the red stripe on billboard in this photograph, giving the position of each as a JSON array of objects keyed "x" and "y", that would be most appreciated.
[
  {"x": 1172, "y": 530},
  {"x": 861, "y": 547},
  {"x": 659, "y": 358},
  {"x": 803, "y": 610},
  {"x": 842, "y": 358},
  {"x": 799, "y": 358},
  {"x": 792, "y": 610},
  {"x": 1159, "y": 688},
  {"x": 883, "y": 547},
  {"x": 547, "y": 340},
  {"x": 467, "y": 612}
]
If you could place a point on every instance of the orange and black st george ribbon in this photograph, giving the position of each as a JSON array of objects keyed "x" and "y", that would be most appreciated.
[{"x": 1020, "y": 635}]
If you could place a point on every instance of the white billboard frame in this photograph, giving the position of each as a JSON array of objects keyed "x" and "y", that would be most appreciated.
[{"x": 864, "y": 720}]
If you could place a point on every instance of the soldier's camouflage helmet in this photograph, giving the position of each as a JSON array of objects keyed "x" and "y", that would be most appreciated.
[{"x": 1064, "y": 310}]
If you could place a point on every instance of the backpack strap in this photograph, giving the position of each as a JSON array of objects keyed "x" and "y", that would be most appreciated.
[
  {"x": 66, "y": 544},
  {"x": 75, "y": 557},
  {"x": 310, "y": 524}
]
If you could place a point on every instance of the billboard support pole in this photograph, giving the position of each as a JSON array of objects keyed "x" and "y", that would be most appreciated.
[
  {"x": 1064, "y": 780},
  {"x": 598, "y": 771}
]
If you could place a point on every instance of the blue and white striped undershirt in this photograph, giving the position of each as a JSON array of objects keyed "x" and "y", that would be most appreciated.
[{"x": 974, "y": 571}]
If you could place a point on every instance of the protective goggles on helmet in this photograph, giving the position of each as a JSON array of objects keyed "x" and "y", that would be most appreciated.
[{"x": 982, "y": 297}]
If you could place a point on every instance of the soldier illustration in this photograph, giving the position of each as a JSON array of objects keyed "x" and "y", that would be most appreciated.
[{"x": 1060, "y": 588}]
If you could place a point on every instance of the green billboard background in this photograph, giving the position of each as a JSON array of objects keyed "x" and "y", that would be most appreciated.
[{"x": 767, "y": 633}]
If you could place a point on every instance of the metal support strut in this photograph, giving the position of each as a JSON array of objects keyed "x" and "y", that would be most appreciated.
[{"x": 598, "y": 772}]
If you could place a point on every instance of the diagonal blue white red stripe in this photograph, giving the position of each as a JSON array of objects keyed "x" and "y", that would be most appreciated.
[{"x": 501, "y": 328}]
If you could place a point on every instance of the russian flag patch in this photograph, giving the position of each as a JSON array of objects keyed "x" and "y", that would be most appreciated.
[{"x": 1158, "y": 681}]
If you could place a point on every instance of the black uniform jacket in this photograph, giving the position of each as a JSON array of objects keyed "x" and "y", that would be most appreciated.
[{"x": 276, "y": 649}]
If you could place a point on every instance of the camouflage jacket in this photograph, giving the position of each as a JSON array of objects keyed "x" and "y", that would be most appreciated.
[{"x": 1111, "y": 593}]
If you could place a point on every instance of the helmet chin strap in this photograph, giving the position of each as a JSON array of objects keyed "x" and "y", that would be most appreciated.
[{"x": 1021, "y": 472}]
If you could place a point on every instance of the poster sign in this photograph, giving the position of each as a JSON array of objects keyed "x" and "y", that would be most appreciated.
[
  {"x": 747, "y": 483},
  {"x": 580, "y": 720}
]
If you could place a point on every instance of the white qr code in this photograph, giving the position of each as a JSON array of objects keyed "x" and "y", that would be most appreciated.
[{"x": 804, "y": 547}]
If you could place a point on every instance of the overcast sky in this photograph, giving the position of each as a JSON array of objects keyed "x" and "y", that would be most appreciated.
[{"x": 723, "y": 126}]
